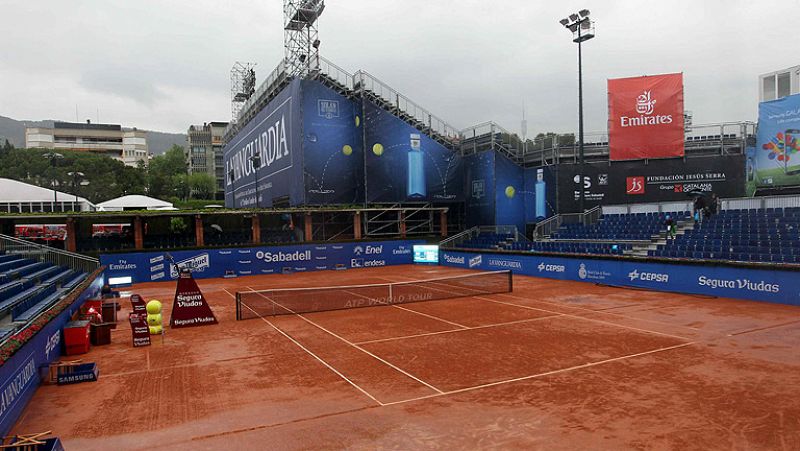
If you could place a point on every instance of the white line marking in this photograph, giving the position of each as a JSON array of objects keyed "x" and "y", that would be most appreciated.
[
  {"x": 330, "y": 367},
  {"x": 548, "y": 373},
  {"x": 355, "y": 346},
  {"x": 408, "y": 310},
  {"x": 485, "y": 326}
]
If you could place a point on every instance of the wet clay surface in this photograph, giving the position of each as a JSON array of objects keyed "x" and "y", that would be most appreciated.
[{"x": 553, "y": 365}]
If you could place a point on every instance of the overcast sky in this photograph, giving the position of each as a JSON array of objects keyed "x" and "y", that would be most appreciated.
[{"x": 163, "y": 65}]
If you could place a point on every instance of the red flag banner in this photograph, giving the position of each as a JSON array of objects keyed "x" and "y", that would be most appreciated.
[
  {"x": 190, "y": 307},
  {"x": 645, "y": 117}
]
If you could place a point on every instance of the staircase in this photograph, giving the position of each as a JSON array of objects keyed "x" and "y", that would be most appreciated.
[{"x": 640, "y": 250}]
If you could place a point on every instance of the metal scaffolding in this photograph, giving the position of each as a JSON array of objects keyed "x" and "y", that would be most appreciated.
[
  {"x": 243, "y": 85},
  {"x": 301, "y": 36}
]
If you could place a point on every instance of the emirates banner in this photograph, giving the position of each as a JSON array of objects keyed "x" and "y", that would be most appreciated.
[{"x": 645, "y": 117}]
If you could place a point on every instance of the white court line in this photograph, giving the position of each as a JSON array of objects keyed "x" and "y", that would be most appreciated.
[
  {"x": 485, "y": 326},
  {"x": 578, "y": 316},
  {"x": 548, "y": 373},
  {"x": 355, "y": 346},
  {"x": 313, "y": 355}
]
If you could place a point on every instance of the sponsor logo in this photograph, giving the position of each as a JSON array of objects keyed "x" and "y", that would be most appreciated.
[
  {"x": 585, "y": 273},
  {"x": 270, "y": 257},
  {"x": 328, "y": 109},
  {"x": 245, "y": 262},
  {"x": 272, "y": 145},
  {"x": 645, "y": 104},
  {"x": 401, "y": 250},
  {"x": 478, "y": 188},
  {"x": 368, "y": 250},
  {"x": 225, "y": 252},
  {"x": 416, "y": 141},
  {"x": 634, "y": 185},
  {"x": 356, "y": 262},
  {"x": 197, "y": 263},
  {"x": 244, "y": 273},
  {"x": 506, "y": 264},
  {"x": 16, "y": 384},
  {"x": 453, "y": 259},
  {"x": 741, "y": 284},
  {"x": 320, "y": 257},
  {"x": 321, "y": 268},
  {"x": 52, "y": 342},
  {"x": 648, "y": 276},
  {"x": 157, "y": 276},
  {"x": 122, "y": 265},
  {"x": 361, "y": 263},
  {"x": 157, "y": 259},
  {"x": 320, "y": 248},
  {"x": 157, "y": 267},
  {"x": 244, "y": 251},
  {"x": 587, "y": 181},
  {"x": 551, "y": 268},
  {"x": 475, "y": 261},
  {"x": 337, "y": 248},
  {"x": 602, "y": 179},
  {"x": 645, "y": 107}
]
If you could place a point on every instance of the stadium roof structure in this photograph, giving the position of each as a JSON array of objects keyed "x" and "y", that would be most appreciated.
[{"x": 134, "y": 202}]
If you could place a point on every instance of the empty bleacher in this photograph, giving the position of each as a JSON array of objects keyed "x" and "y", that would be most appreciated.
[
  {"x": 769, "y": 235},
  {"x": 28, "y": 287},
  {"x": 619, "y": 227}
]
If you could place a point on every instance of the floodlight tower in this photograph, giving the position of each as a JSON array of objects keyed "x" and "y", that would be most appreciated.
[
  {"x": 582, "y": 28},
  {"x": 301, "y": 36},
  {"x": 243, "y": 86}
]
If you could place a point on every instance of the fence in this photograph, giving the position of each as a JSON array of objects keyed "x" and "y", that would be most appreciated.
[{"x": 11, "y": 245}]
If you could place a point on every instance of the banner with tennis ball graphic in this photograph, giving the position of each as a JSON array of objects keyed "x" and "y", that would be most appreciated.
[
  {"x": 510, "y": 192},
  {"x": 403, "y": 164},
  {"x": 333, "y": 157}
]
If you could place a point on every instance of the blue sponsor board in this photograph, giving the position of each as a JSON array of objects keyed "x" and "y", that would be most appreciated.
[
  {"x": 480, "y": 179},
  {"x": 724, "y": 281},
  {"x": 153, "y": 266},
  {"x": 274, "y": 135},
  {"x": 509, "y": 193},
  {"x": 19, "y": 375}
]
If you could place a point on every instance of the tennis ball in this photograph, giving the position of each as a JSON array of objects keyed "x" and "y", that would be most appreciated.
[
  {"x": 155, "y": 330},
  {"x": 510, "y": 191},
  {"x": 154, "y": 306},
  {"x": 358, "y": 121},
  {"x": 347, "y": 150},
  {"x": 154, "y": 319},
  {"x": 377, "y": 149}
]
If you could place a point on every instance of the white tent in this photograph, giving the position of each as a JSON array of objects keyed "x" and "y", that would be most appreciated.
[
  {"x": 19, "y": 197},
  {"x": 134, "y": 202}
]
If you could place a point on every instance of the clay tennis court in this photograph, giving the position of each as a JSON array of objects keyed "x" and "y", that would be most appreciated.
[{"x": 551, "y": 365}]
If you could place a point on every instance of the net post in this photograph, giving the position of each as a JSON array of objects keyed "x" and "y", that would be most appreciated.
[
  {"x": 510, "y": 281},
  {"x": 238, "y": 306},
  {"x": 391, "y": 296}
]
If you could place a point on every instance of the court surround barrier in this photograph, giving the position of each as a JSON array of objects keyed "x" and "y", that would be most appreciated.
[{"x": 777, "y": 286}]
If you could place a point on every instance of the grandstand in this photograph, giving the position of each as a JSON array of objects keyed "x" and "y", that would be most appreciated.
[{"x": 33, "y": 278}]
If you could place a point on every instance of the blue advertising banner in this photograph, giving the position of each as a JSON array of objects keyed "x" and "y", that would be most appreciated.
[
  {"x": 274, "y": 135},
  {"x": 332, "y": 147},
  {"x": 403, "y": 164},
  {"x": 208, "y": 263},
  {"x": 775, "y": 160},
  {"x": 724, "y": 281},
  {"x": 480, "y": 178},
  {"x": 509, "y": 193},
  {"x": 20, "y": 374}
]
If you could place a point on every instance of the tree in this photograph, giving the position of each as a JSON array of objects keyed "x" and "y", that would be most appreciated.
[
  {"x": 202, "y": 185},
  {"x": 180, "y": 184},
  {"x": 162, "y": 172}
]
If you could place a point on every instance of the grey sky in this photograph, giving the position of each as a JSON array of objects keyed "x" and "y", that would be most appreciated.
[{"x": 164, "y": 65}]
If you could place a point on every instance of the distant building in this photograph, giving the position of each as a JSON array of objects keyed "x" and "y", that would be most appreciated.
[
  {"x": 781, "y": 83},
  {"x": 204, "y": 152},
  {"x": 127, "y": 146}
]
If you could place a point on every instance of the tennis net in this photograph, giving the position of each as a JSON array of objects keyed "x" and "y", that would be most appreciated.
[{"x": 287, "y": 301}]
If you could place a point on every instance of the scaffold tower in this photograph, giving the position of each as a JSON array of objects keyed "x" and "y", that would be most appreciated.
[{"x": 301, "y": 36}]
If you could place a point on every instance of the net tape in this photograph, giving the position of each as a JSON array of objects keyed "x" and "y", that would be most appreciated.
[{"x": 287, "y": 301}]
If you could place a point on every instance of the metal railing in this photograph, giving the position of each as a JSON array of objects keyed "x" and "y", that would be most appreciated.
[
  {"x": 398, "y": 103},
  {"x": 39, "y": 252},
  {"x": 336, "y": 73},
  {"x": 457, "y": 239},
  {"x": 550, "y": 225}
]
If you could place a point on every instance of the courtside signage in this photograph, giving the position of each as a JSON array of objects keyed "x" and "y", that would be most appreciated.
[
  {"x": 645, "y": 117},
  {"x": 190, "y": 307}
]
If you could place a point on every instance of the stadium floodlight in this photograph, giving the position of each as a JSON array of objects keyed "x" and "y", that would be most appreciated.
[
  {"x": 316, "y": 44},
  {"x": 256, "y": 160},
  {"x": 582, "y": 28}
]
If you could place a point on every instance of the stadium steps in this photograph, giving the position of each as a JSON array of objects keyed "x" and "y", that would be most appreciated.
[{"x": 641, "y": 250}]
